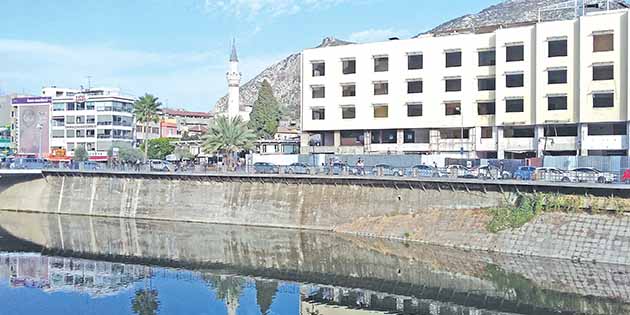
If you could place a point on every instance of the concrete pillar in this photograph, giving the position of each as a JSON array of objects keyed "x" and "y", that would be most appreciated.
[
  {"x": 539, "y": 138},
  {"x": 400, "y": 140},
  {"x": 500, "y": 142},
  {"x": 337, "y": 140},
  {"x": 582, "y": 135}
]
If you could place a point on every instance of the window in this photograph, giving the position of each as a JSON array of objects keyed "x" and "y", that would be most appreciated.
[
  {"x": 518, "y": 132},
  {"x": 603, "y": 72},
  {"x": 90, "y": 119},
  {"x": 514, "y": 80},
  {"x": 381, "y": 111},
  {"x": 561, "y": 131},
  {"x": 352, "y": 137},
  {"x": 453, "y": 85},
  {"x": 486, "y": 84},
  {"x": 486, "y": 132},
  {"x": 603, "y": 42},
  {"x": 69, "y": 106},
  {"x": 349, "y": 66},
  {"x": 381, "y": 88},
  {"x": 414, "y": 86},
  {"x": 601, "y": 100},
  {"x": 70, "y": 133},
  {"x": 416, "y": 136},
  {"x": 414, "y": 110},
  {"x": 558, "y": 48},
  {"x": 514, "y": 105},
  {"x": 415, "y": 62},
  {"x": 319, "y": 91},
  {"x": 70, "y": 120},
  {"x": 514, "y": 53},
  {"x": 318, "y": 113},
  {"x": 487, "y": 58},
  {"x": 319, "y": 69},
  {"x": 486, "y": 108},
  {"x": 57, "y": 133},
  {"x": 321, "y": 139},
  {"x": 454, "y": 59},
  {"x": 453, "y": 109},
  {"x": 610, "y": 129},
  {"x": 348, "y": 112},
  {"x": 90, "y": 133},
  {"x": 557, "y": 76},
  {"x": 59, "y": 107},
  {"x": 384, "y": 136},
  {"x": 89, "y": 105},
  {"x": 455, "y": 133},
  {"x": 348, "y": 90},
  {"x": 557, "y": 102},
  {"x": 381, "y": 64}
]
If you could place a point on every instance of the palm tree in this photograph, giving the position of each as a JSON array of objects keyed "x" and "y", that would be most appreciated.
[
  {"x": 227, "y": 136},
  {"x": 146, "y": 110},
  {"x": 145, "y": 302}
]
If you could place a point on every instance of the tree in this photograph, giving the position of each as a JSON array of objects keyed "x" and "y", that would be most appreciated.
[
  {"x": 145, "y": 302},
  {"x": 146, "y": 110},
  {"x": 183, "y": 153},
  {"x": 227, "y": 136},
  {"x": 265, "y": 116},
  {"x": 126, "y": 154},
  {"x": 80, "y": 154},
  {"x": 157, "y": 148}
]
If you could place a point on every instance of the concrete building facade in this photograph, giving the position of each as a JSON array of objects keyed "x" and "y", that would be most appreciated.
[
  {"x": 96, "y": 119},
  {"x": 547, "y": 88}
]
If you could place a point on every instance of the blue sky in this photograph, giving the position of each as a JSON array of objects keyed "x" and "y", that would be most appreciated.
[{"x": 178, "y": 49}]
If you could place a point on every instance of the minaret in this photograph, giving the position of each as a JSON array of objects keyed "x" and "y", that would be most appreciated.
[{"x": 234, "y": 82}]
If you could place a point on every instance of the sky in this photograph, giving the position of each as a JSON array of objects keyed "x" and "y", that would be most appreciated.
[{"x": 178, "y": 50}]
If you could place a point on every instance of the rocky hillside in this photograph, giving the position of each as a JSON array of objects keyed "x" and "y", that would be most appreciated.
[
  {"x": 513, "y": 12},
  {"x": 284, "y": 78}
]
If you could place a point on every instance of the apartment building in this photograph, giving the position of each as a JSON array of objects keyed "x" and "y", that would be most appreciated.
[
  {"x": 96, "y": 119},
  {"x": 546, "y": 88}
]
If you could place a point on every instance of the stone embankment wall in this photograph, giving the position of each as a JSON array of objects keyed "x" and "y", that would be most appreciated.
[{"x": 446, "y": 217}]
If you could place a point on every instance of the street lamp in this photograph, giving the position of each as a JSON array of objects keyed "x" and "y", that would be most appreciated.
[{"x": 40, "y": 127}]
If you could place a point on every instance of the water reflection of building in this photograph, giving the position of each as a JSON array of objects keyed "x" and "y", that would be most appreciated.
[{"x": 53, "y": 274}]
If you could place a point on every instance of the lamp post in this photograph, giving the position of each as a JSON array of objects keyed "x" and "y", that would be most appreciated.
[
  {"x": 461, "y": 132},
  {"x": 40, "y": 127}
]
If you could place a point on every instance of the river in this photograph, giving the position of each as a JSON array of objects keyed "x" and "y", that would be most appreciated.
[{"x": 60, "y": 264}]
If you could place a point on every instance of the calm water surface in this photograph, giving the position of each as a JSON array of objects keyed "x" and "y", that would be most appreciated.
[{"x": 51, "y": 264}]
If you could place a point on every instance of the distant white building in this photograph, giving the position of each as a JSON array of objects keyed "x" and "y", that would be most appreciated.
[
  {"x": 552, "y": 88},
  {"x": 96, "y": 119}
]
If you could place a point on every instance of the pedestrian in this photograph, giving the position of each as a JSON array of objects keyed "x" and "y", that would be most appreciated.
[{"x": 360, "y": 167}]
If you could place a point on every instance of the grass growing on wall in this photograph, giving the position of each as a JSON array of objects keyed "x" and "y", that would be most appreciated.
[{"x": 527, "y": 207}]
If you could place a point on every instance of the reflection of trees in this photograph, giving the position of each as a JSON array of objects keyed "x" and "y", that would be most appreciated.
[
  {"x": 145, "y": 302},
  {"x": 228, "y": 289},
  {"x": 265, "y": 293}
]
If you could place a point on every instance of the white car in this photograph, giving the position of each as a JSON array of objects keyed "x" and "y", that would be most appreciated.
[
  {"x": 554, "y": 174},
  {"x": 592, "y": 175},
  {"x": 162, "y": 166}
]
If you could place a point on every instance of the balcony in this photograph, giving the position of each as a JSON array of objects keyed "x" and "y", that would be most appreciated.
[{"x": 519, "y": 144}]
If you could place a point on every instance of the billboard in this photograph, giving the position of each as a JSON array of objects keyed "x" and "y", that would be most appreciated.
[{"x": 33, "y": 115}]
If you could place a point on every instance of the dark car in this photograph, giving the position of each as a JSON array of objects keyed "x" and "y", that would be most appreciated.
[
  {"x": 524, "y": 173},
  {"x": 298, "y": 168},
  {"x": 266, "y": 168}
]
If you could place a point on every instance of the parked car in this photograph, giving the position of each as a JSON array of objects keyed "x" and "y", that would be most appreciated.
[
  {"x": 524, "y": 173},
  {"x": 592, "y": 175},
  {"x": 338, "y": 169},
  {"x": 424, "y": 171},
  {"x": 492, "y": 172},
  {"x": 386, "y": 170},
  {"x": 266, "y": 168},
  {"x": 460, "y": 171},
  {"x": 28, "y": 163},
  {"x": 553, "y": 174},
  {"x": 298, "y": 168},
  {"x": 160, "y": 165}
]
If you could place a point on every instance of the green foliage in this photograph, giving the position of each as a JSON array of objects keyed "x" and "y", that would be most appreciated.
[
  {"x": 228, "y": 135},
  {"x": 146, "y": 110},
  {"x": 126, "y": 154},
  {"x": 80, "y": 154},
  {"x": 184, "y": 154},
  {"x": 265, "y": 116},
  {"x": 145, "y": 302},
  {"x": 158, "y": 148}
]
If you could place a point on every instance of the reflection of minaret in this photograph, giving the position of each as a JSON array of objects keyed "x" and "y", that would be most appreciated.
[{"x": 234, "y": 82}]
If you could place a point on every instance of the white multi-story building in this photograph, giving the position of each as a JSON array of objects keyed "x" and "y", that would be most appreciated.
[
  {"x": 96, "y": 119},
  {"x": 546, "y": 88}
]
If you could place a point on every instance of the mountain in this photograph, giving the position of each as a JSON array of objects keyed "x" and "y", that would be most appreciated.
[
  {"x": 515, "y": 12},
  {"x": 284, "y": 77}
]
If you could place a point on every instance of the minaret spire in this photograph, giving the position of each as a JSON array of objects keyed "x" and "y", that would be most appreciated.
[{"x": 233, "y": 56}]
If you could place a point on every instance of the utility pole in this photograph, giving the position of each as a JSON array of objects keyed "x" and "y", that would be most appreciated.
[{"x": 89, "y": 77}]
